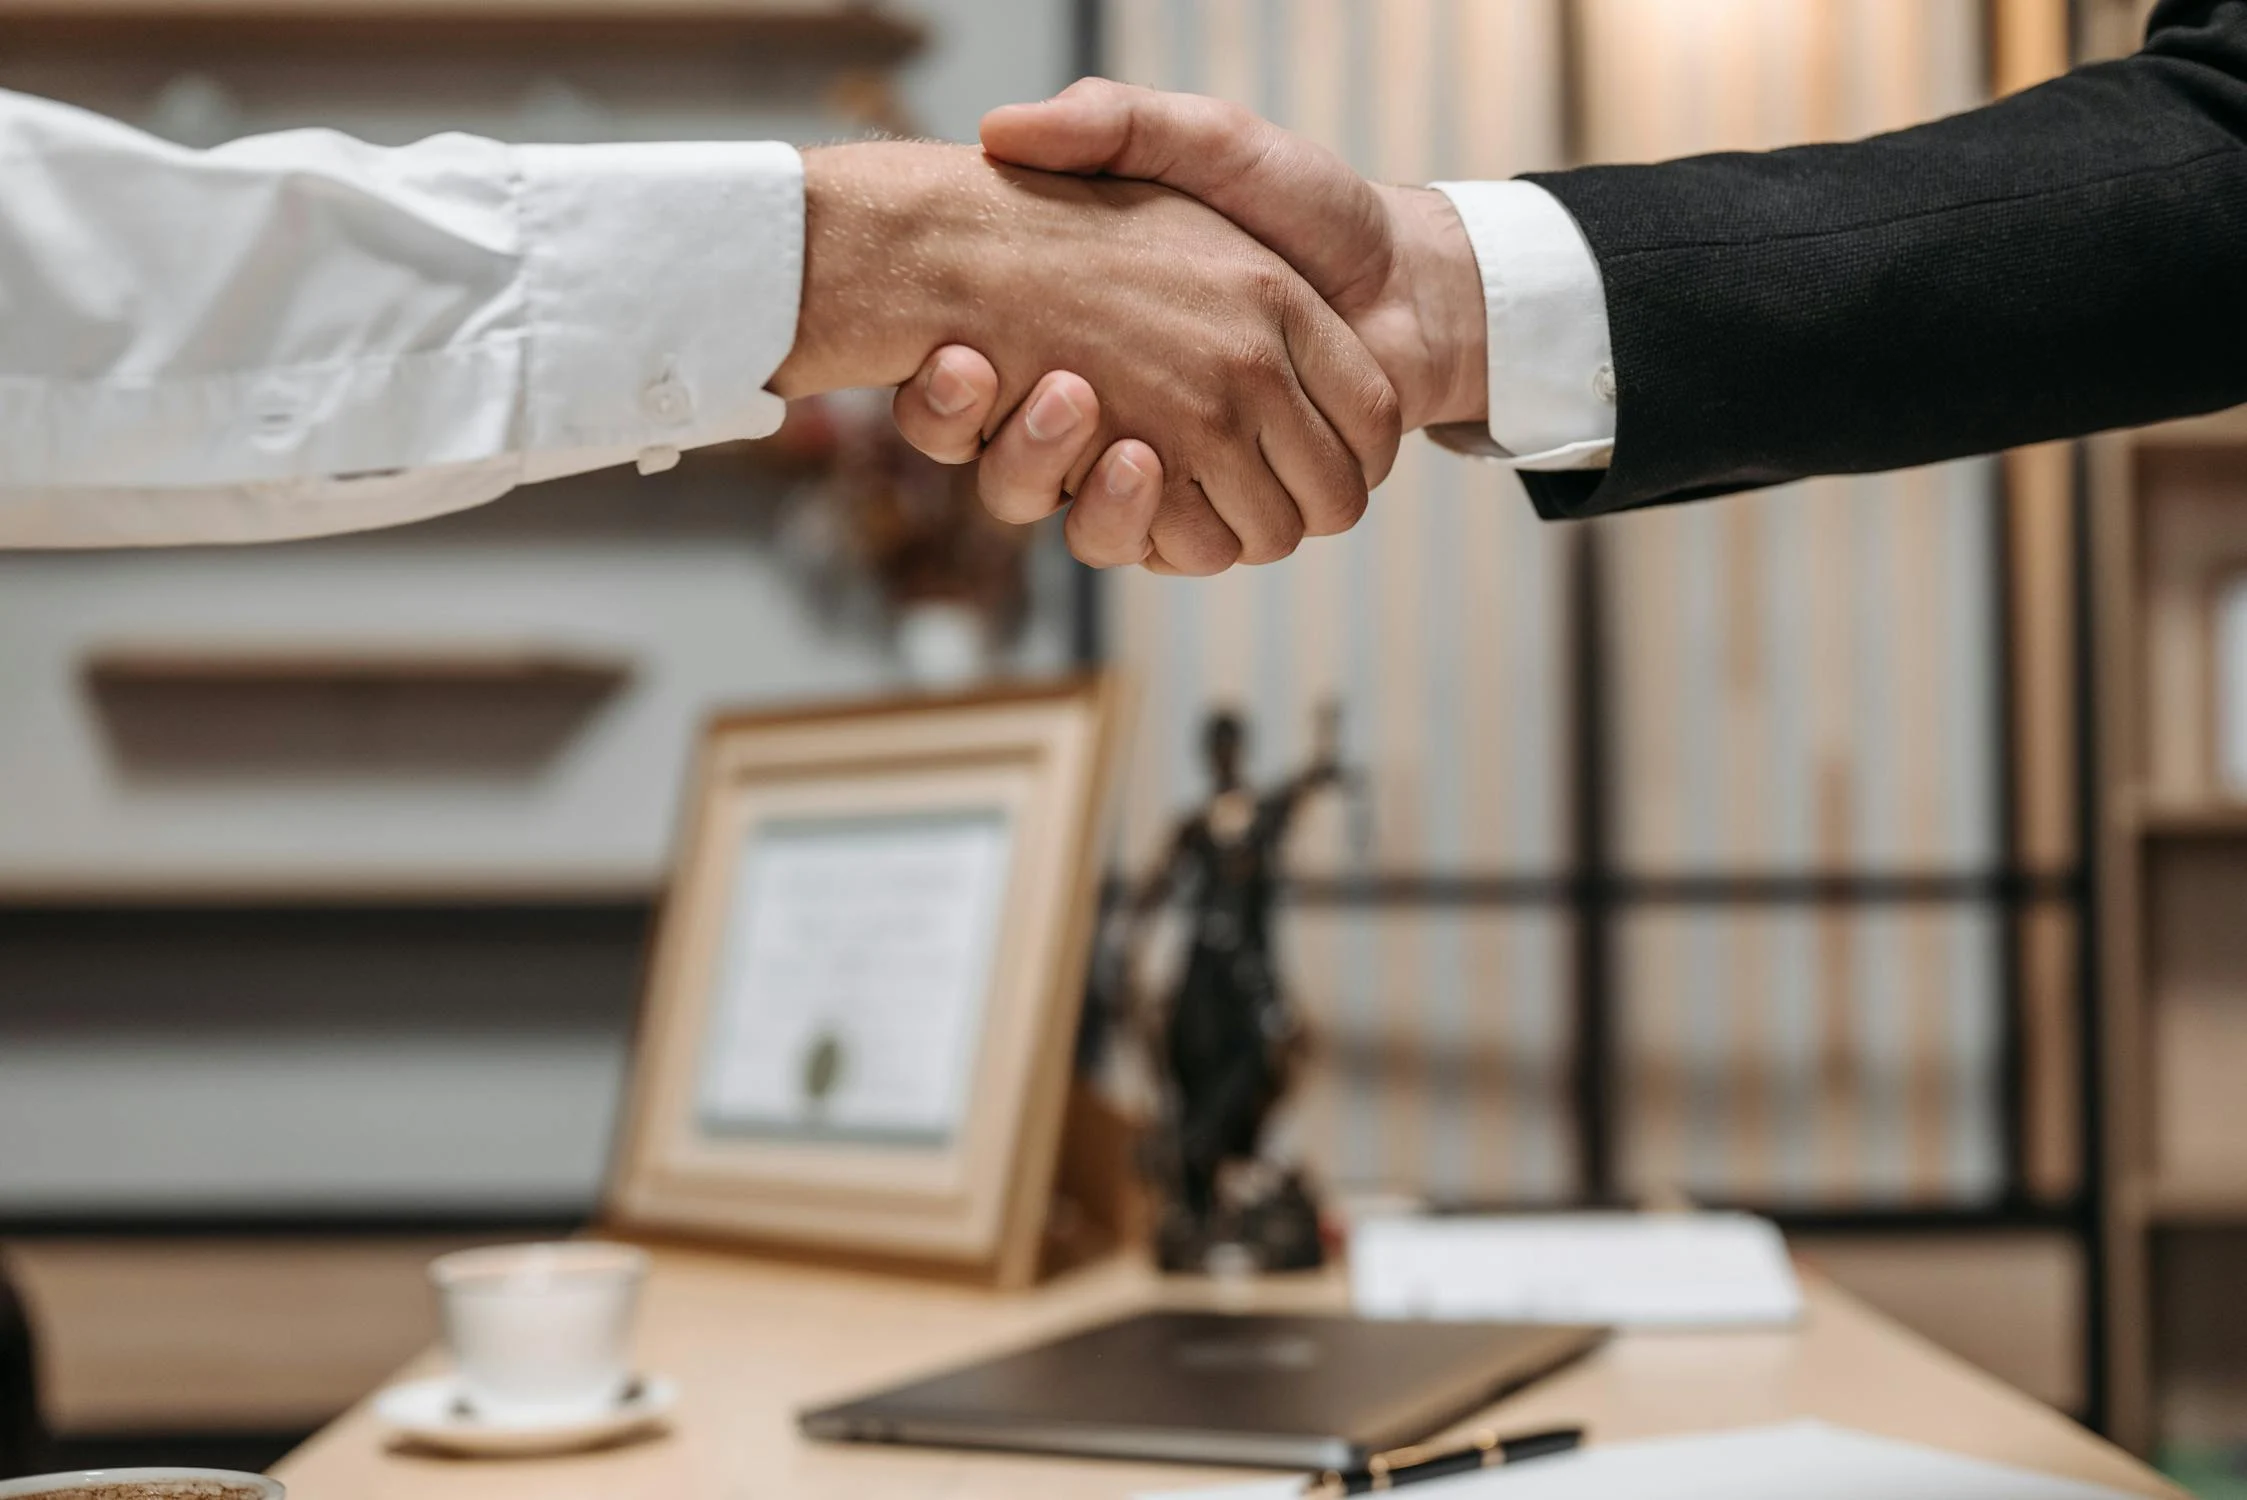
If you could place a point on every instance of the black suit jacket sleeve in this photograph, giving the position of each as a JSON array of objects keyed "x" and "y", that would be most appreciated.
[{"x": 2068, "y": 259}]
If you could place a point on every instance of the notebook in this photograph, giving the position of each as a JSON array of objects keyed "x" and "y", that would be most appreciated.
[{"x": 1674, "y": 1270}]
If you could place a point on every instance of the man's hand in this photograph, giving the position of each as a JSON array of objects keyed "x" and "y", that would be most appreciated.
[
  {"x": 1394, "y": 262},
  {"x": 1264, "y": 418}
]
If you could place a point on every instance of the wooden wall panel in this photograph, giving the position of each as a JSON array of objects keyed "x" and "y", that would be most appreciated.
[
  {"x": 1811, "y": 1055},
  {"x": 1439, "y": 622},
  {"x": 1804, "y": 678},
  {"x": 1439, "y": 625},
  {"x": 1805, "y": 684},
  {"x": 1664, "y": 78},
  {"x": 2029, "y": 43},
  {"x": 1804, "y": 674},
  {"x": 1805, "y": 681},
  {"x": 1453, "y": 1085}
]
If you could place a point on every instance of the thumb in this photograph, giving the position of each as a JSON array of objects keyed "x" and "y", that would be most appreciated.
[
  {"x": 1298, "y": 198},
  {"x": 1085, "y": 128}
]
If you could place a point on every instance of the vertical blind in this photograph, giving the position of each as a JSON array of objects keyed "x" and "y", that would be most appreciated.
[
  {"x": 1806, "y": 685},
  {"x": 1438, "y": 625}
]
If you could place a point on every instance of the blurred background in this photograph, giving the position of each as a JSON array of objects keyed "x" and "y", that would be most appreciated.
[{"x": 1859, "y": 852}]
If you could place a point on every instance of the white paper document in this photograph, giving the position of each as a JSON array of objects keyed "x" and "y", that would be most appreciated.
[
  {"x": 1689, "y": 1270},
  {"x": 1797, "y": 1461},
  {"x": 851, "y": 990}
]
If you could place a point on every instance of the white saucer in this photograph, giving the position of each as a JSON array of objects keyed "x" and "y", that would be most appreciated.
[{"x": 431, "y": 1413}]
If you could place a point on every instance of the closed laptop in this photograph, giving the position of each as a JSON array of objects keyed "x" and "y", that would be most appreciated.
[{"x": 1268, "y": 1390}]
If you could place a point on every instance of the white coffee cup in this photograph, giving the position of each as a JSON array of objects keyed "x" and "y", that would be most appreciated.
[
  {"x": 541, "y": 1333},
  {"x": 148, "y": 1484}
]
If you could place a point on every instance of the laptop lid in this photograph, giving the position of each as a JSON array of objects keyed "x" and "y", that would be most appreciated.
[{"x": 1278, "y": 1391}]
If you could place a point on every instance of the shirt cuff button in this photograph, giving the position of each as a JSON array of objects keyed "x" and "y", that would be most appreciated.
[
  {"x": 658, "y": 459},
  {"x": 1603, "y": 384},
  {"x": 666, "y": 399}
]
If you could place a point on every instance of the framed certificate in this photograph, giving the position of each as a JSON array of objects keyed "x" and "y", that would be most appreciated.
[{"x": 857, "y": 1029}]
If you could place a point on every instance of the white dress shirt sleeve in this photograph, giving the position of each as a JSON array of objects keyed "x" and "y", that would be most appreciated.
[
  {"x": 1552, "y": 372},
  {"x": 300, "y": 333}
]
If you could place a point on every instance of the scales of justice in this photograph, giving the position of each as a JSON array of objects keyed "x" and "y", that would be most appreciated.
[{"x": 1225, "y": 1043}]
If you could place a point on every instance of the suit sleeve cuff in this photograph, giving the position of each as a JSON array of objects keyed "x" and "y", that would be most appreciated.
[
  {"x": 661, "y": 285},
  {"x": 1552, "y": 376}
]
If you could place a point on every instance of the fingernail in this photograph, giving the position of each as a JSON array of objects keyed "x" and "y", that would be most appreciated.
[
  {"x": 1124, "y": 476},
  {"x": 1053, "y": 415},
  {"x": 949, "y": 392}
]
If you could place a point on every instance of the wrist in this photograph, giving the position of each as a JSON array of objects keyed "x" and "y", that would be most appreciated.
[
  {"x": 1441, "y": 333},
  {"x": 872, "y": 275}
]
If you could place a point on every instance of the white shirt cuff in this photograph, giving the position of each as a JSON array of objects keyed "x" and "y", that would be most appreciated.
[
  {"x": 662, "y": 284},
  {"x": 1552, "y": 373}
]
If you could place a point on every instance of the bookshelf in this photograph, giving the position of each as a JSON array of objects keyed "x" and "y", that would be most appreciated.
[
  {"x": 2168, "y": 528},
  {"x": 881, "y": 32}
]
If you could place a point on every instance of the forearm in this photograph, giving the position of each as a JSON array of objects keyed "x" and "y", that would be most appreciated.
[
  {"x": 2063, "y": 261},
  {"x": 301, "y": 333}
]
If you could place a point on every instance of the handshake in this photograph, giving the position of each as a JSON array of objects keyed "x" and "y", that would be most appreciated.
[{"x": 1208, "y": 333}]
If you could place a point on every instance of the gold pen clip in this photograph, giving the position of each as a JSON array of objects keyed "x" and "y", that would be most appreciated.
[
  {"x": 1396, "y": 1467},
  {"x": 1383, "y": 1465}
]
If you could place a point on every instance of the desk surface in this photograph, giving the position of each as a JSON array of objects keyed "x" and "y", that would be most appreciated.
[{"x": 750, "y": 1342}]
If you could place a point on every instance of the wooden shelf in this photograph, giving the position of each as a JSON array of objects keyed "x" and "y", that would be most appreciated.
[
  {"x": 872, "y": 33},
  {"x": 527, "y": 10},
  {"x": 2216, "y": 430},
  {"x": 351, "y": 664},
  {"x": 2171, "y": 1029},
  {"x": 2199, "y": 1199},
  {"x": 2191, "y": 820},
  {"x": 203, "y": 714}
]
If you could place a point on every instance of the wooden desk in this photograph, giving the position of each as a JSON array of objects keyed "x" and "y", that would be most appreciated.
[{"x": 750, "y": 1342}]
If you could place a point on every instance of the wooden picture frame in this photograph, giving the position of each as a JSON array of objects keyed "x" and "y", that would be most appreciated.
[{"x": 895, "y": 1097}]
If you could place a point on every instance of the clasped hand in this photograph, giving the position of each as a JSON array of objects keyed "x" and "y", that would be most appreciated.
[{"x": 1207, "y": 334}]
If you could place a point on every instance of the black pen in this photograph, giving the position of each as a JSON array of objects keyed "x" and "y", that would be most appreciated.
[{"x": 1486, "y": 1450}]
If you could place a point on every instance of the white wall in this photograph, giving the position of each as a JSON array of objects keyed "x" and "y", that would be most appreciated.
[
  {"x": 140, "y": 1070},
  {"x": 988, "y": 52}
]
